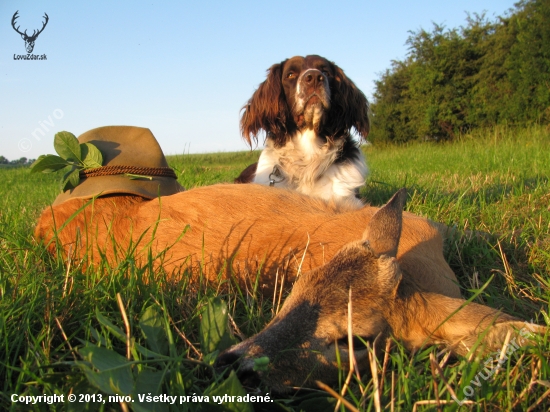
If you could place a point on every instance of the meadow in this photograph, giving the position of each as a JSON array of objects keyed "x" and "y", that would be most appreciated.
[{"x": 124, "y": 330}]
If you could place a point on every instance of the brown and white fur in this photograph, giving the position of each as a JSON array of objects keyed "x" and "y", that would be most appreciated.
[{"x": 308, "y": 107}]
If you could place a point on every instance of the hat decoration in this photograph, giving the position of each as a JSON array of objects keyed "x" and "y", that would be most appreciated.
[{"x": 109, "y": 160}]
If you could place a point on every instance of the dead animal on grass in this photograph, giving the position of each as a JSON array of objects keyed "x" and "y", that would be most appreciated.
[
  {"x": 301, "y": 341},
  {"x": 245, "y": 233},
  {"x": 213, "y": 229}
]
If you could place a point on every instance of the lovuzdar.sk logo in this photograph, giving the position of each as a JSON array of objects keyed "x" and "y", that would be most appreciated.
[{"x": 29, "y": 40}]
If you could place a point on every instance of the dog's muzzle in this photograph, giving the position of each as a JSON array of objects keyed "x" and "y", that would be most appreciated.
[{"x": 312, "y": 83}]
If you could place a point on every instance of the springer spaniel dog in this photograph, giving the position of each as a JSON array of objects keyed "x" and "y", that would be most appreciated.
[{"x": 308, "y": 107}]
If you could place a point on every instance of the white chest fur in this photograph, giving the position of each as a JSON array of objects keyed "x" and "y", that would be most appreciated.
[{"x": 308, "y": 164}]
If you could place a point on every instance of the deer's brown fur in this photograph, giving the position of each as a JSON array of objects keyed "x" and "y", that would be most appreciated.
[
  {"x": 301, "y": 340},
  {"x": 246, "y": 227}
]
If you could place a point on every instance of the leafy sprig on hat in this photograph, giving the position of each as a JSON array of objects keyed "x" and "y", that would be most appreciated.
[{"x": 73, "y": 157}]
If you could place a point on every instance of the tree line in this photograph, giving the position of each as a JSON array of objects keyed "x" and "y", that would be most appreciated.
[
  {"x": 483, "y": 74},
  {"x": 22, "y": 161}
]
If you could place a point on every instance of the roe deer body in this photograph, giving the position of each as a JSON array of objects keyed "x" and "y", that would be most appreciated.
[
  {"x": 301, "y": 340},
  {"x": 280, "y": 230}
]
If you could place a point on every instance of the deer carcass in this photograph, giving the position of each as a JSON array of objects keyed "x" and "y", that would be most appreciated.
[{"x": 302, "y": 339}]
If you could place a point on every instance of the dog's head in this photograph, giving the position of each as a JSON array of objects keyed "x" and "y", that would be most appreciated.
[{"x": 305, "y": 93}]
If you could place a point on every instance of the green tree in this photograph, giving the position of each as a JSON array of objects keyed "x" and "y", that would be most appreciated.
[
  {"x": 528, "y": 63},
  {"x": 479, "y": 75}
]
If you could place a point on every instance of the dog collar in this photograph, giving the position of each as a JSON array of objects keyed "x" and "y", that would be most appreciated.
[{"x": 276, "y": 173}]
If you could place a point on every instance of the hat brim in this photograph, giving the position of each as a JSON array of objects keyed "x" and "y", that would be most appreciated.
[{"x": 119, "y": 184}]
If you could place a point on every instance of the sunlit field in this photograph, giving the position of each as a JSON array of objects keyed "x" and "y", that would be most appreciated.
[{"x": 124, "y": 330}]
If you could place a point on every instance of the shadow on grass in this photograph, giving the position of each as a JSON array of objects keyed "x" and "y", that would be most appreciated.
[
  {"x": 378, "y": 193},
  {"x": 476, "y": 255}
]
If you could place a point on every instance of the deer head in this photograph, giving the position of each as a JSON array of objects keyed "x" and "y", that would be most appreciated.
[
  {"x": 302, "y": 340},
  {"x": 29, "y": 40}
]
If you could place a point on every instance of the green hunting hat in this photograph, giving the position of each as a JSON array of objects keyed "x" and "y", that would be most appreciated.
[{"x": 125, "y": 150}]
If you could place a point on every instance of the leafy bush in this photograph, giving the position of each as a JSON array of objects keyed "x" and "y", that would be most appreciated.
[{"x": 455, "y": 80}]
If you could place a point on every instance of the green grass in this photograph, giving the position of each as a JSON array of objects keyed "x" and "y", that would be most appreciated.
[
  {"x": 493, "y": 187},
  {"x": 206, "y": 169}
]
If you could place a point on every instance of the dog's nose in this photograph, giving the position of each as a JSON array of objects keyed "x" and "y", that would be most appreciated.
[{"x": 313, "y": 77}]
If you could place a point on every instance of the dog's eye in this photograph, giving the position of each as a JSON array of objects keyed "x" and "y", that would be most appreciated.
[
  {"x": 325, "y": 71},
  {"x": 290, "y": 75}
]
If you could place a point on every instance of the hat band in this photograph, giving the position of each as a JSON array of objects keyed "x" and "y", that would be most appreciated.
[{"x": 120, "y": 170}]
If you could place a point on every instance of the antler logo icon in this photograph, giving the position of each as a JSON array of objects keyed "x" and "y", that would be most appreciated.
[{"x": 29, "y": 40}]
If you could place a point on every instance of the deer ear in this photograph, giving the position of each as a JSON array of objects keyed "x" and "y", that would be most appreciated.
[{"x": 384, "y": 229}]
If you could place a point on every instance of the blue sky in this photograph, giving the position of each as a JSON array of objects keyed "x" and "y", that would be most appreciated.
[{"x": 185, "y": 69}]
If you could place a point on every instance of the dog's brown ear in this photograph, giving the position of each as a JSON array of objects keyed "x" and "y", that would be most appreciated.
[
  {"x": 267, "y": 109},
  {"x": 350, "y": 106},
  {"x": 248, "y": 174}
]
